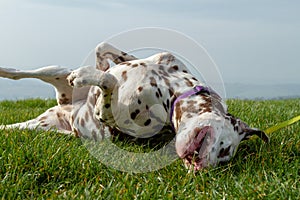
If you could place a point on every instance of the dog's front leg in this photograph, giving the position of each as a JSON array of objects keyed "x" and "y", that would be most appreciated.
[{"x": 90, "y": 76}]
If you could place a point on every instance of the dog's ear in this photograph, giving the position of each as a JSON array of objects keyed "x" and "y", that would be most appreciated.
[
  {"x": 248, "y": 132},
  {"x": 245, "y": 132}
]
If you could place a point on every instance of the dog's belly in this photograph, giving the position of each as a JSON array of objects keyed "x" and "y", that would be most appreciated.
[{"x": 140, "y": 109}]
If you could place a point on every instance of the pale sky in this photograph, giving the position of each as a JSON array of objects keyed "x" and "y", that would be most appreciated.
[{"x": 251, "y": 41}]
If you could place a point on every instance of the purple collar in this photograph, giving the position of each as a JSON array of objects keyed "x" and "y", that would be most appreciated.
[{"x": 196, "y": 90}]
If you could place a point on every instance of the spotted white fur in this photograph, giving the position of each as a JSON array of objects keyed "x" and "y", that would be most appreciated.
[{"x": 136, "y": 97}]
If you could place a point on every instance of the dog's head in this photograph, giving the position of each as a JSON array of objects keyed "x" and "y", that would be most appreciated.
[{"x": 207, "y": 139}]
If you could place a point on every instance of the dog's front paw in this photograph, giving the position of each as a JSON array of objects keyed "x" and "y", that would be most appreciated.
[
  {"x": 75, "y": 80},
  {"x": 81, "y": 77}
]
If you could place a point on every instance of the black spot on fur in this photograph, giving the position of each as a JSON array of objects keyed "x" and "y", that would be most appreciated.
[
  {"x": 143, "y": 64},
  {"x": 165, "y": 107},
  {"x": 134, "y": 114},
  {"x": 107, "y": 105},
  {"x": 175, "y": 67},
  {"x": 140, "y": 89},
  {"x": 232, "y": 120},
  {"x": 188, "y": 82},
  {"x": 147, "y": 122},
  {"x": 171, "y": 92},
  {"x": 121, "y": 59},
  {"x": 157, "y": 95},
  {"x": 236, "y": 128},
  {"x": 159, "y": 91}
]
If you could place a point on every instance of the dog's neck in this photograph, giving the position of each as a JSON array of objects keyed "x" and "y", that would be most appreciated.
[{"x": 192, "y": 103}]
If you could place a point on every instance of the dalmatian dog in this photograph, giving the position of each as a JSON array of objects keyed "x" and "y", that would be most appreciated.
[{"x": 139, "y": 97}]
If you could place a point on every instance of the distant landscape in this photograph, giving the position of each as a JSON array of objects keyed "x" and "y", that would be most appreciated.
[
  {"x": 24, "y": 89},
  {"x": 262, "y": 91}
]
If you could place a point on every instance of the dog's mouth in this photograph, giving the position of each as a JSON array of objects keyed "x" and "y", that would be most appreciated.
[{"x": 196, "y": 150}]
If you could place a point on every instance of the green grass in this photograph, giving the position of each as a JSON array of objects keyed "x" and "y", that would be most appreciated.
[{"x": 47, "y": 165}]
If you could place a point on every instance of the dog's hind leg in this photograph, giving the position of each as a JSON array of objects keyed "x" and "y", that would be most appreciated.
[
  {"x": 56, "y": 118},
  {"x": 104, "y": 52},
  {"x": 54, "y": 75}
]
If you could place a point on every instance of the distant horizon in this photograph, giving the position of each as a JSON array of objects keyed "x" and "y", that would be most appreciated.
[{"x": 30, "y": 88}]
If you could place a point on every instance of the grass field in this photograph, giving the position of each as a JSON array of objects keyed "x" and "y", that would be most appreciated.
[{"x": 47, "y": 165}]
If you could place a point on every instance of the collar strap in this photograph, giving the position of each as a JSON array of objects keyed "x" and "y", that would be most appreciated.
[{"x": 195, "y": 91}]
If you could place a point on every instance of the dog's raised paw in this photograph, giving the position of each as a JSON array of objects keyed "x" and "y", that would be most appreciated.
[{"x": 80, "y": 77}]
